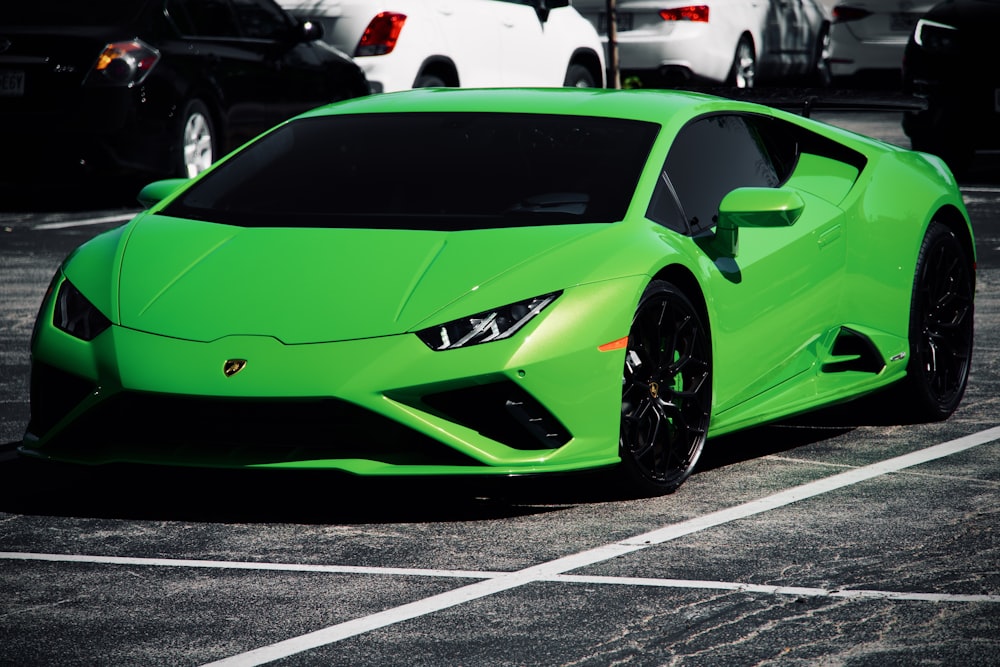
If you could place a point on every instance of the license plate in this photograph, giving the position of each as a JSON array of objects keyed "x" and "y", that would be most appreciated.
[
  {"x": 902, "y": 21},
  {"x": 11, "y": 83},
  {"x": 623, "y": 23}
]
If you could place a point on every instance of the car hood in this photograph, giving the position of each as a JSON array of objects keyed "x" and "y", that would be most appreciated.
[{"x": 203, "y": 281}]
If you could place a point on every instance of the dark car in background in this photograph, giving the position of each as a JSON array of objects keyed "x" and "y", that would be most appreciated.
[
  {"x": 153, "y": 87},
  {"x": 950, "y": 61}
]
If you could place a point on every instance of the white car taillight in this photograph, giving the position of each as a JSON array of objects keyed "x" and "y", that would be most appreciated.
[{"x": 381, "y": 34}]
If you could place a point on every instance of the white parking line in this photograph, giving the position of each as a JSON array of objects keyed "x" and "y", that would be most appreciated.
[
  {"x": 85, "y": 222},
  {"x": 555, "y": 570},
  {"x": 653, "y": 582},
  {"x": 559, "y": 566}
]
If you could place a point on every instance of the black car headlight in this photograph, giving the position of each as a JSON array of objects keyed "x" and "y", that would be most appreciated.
[
  {"x": 934, "y": 36},
  {"x": 75, "y": 315},
  {"x": 486, "y": 326}
]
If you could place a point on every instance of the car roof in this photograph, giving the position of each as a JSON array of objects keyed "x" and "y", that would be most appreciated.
[{"x": 657, "y": 106}]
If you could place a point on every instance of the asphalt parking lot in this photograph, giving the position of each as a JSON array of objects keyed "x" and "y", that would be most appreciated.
[{"x": 838, "y": 538}]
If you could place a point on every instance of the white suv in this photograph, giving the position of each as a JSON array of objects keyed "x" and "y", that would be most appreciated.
[{"x": 404, "y": 44}]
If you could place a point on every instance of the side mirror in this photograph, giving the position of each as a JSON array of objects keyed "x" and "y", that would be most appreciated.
[
  {"x": 311, "y": 31},
  {"x": 754, "y": 207},
  {"x": 157, "y": 191}
]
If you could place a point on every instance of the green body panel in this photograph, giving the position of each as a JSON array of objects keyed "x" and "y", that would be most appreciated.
[{"x": 331, "y": 313}]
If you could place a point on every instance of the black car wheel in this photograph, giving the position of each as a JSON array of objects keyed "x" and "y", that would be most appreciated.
[
  {"x": 941, "y": 326},
  {"x": 821, "y": 75},
  {"x": 666, "y": 392},
  {"x": 744, "y": 69},
  {"x": 578, "y": 76},
  {"x": 197, "y": 139},
  {"x": 429, "y": 81}
]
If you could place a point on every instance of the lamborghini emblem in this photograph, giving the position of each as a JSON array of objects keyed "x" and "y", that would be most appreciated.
[
  {"x": 654, "y": 389},
  {"x": 233, "y": 366}
]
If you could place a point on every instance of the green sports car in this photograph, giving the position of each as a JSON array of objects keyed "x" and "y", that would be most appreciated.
[{"x": 507, "y": 282}]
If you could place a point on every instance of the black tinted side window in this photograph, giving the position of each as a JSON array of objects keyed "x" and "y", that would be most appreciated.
[
  {"x": 261, "y": 19},
  {"x": 203, "y": 18},
  {"x": 709, "y": 158}
]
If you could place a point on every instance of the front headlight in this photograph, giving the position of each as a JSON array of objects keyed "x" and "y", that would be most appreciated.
[
  {"x": 935, "y": 36},
  {"x": 77, "y": 316},
  {"x": 487, "y": 326}
]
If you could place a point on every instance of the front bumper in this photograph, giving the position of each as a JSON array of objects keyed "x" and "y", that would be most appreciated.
[{"x": 546, "y": 400}]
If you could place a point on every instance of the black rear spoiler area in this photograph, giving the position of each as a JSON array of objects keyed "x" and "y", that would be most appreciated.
[{"x": 806, "y": 100}]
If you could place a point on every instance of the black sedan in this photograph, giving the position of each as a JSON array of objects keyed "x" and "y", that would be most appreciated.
[
  {"x": 153, "y": 87},
  {"x": 950, "y": 60}
]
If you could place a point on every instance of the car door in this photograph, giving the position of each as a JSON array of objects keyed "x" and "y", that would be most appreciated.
[
  {"x": 244, "y": 53},
  {"x": 780, "y": 293},
  {"x": 529, "y": 59},
  {"x": 289, "y": 76},
  {"x": 470, "y": 33},
  {"x": 787, "y": 38}
]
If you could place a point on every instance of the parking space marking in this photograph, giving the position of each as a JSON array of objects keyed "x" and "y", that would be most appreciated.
[
  {"x": 798, "y": 591},
  {"x": 247, "y": 565},
  {"x": 85, "y": 222},
  {"x": 559, "y": 566},
  {"x": 652, "y": 582},
  {"x": 555, "y": 570}
]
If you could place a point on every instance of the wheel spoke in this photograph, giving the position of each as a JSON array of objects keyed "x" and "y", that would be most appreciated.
[
  {"x": 666, "y": 393},
  {"x": 944, "y": 303}
]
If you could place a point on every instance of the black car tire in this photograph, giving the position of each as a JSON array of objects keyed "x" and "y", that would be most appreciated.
[
  {"x": 666, "y": 392},
  {"x": 197, "y": 143},
  {"x": 429, "y": 81},
  {"x": 820, "y": 74},
  {"x": 743, "y": 72},
  {"x": 578, "y": 76},
  {"x": 941, "y": 327}
]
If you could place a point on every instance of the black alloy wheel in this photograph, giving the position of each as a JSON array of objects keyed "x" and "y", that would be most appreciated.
[
  {"x": 941, "y": 326},
  {"x": 666, "y": 392}
]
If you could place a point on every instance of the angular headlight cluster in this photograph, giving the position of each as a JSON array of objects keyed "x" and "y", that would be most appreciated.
[
  {"x": 77, "y": 316},
  {"x": 484, "y": 327}
]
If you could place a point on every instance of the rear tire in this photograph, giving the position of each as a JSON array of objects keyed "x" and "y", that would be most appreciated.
[
  {"x": 429, "y": 81},
  {"x": 197, "y": 140},
  {"x": 666, "y": 392},
  {"x": 578, "y": 76},
  {"x": 743, "y": 72},
  {"x": 821, "y": 75},
  {"x": 941, "y": 327}
]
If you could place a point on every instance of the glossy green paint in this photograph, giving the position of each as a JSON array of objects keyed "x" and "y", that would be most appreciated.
[{"x": 331, "y": 313}]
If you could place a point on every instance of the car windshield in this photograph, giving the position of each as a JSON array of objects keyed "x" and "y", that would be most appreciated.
[{"x": 431, "y": 171}]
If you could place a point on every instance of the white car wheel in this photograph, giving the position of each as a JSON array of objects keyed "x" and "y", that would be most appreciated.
[
  {"x": 744, "y": 69},
  {"x": 197, "y": 140}
]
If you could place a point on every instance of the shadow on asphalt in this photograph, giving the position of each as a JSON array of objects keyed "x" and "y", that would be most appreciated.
[{"x": 33, "y": 487}]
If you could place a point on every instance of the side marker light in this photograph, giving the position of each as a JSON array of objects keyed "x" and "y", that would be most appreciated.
[{"x": 614, "y": 345}]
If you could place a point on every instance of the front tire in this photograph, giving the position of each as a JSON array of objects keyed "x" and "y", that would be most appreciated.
[
  {"x": 666, "y": 392},
  {"x": 941, "y": 327}
]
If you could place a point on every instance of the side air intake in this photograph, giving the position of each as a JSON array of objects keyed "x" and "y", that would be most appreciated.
[{"x": 853, "y": 351}]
